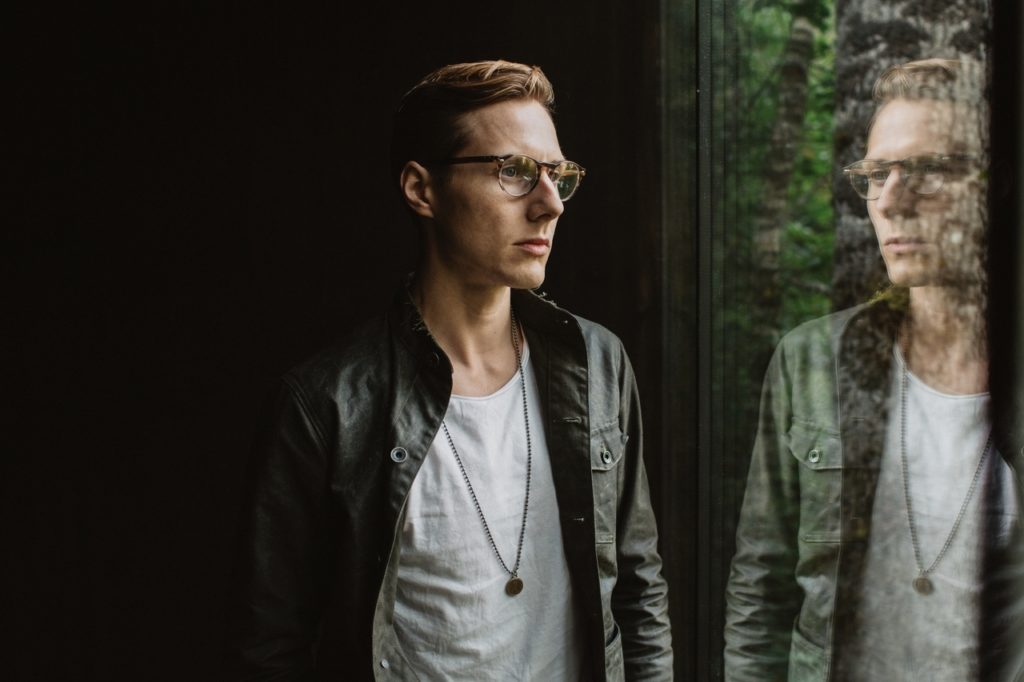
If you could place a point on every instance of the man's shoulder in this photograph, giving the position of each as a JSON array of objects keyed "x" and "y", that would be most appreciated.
[
  {"x": 607, "y": 361},
  {"x": 539, "y": 310},
  {"x": 356, "y": 357},
  {"x": 824, "y": 331},
  {"x": 870, "y": 325},
  {"x": 597, "y": 336},
  {"x": 603, "y": 353}
]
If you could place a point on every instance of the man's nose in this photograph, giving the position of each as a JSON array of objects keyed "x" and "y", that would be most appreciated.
[
  {"x": 546, "y": 196},
  {"x": 896, "y": 198}
]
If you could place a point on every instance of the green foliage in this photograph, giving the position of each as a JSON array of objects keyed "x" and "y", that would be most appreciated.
[
  {"x": 746, "y": 111},
  {"x": 807, "y": 242},
  {"x": 818, "y": 12}
]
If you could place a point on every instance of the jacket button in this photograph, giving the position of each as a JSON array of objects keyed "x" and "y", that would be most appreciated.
[
  {"x": 384, "y": 663},
  {"x": 814, "y": 456},
  {"x": 606, "y": 456},
  {"x": 399, "y": 455}
]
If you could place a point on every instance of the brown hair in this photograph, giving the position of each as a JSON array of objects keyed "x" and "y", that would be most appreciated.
[
  {"x": 428, "y": 121},
  {"x": 922, "y": 79},
  {"x": 941, "y": 80}
]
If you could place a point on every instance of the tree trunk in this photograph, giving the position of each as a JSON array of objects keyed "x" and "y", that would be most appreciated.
[
  {"x": 872, "y": 35},
  {"x": 772, "y": 213}
]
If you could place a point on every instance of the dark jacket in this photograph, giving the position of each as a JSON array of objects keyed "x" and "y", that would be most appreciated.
[
  {"x": 339, "y": 449},
  {"x": 806, "y": 518}
]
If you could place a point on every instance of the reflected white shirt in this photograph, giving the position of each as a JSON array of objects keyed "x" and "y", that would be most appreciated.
[{"x": 905, "y": 635}]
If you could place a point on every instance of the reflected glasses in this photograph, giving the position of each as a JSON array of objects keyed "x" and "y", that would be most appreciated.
[
  {"x": 518, "y": 174},
  {"x": 920, "y": 174}
]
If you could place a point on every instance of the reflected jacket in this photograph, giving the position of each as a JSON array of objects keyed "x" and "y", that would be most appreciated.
[
  {"x": 338, "y": 451},
  {"x": 802, "y": 537}
]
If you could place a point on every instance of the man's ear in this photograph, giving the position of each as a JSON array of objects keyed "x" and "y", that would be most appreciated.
[{"x": 417, "y": 187}]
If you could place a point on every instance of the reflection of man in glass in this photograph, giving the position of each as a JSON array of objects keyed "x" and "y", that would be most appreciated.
[{"x": 877, "y": 508}]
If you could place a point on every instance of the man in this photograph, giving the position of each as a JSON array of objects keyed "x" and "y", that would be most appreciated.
[
  {"x": 456, "y": 491},
  {"x": 882, "y": 513}
]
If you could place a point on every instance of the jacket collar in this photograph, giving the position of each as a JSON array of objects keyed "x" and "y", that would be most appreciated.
[
  {"x": 864, "y": 365},
  {"x": 536, "y": 311}
]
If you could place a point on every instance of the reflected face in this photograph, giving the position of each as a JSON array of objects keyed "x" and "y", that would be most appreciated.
[
  {"x": 931, "y": 239},
  {"x": 480, "y": 234}
]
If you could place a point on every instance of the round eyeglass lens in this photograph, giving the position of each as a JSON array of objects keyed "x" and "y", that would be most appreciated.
[
  {"x": 860, "y": 183},
  {"x": 568, "y": 179},
  {"x": 518, "y": 175},
  {"x": 921, "y": 176},
  {"x": 925, "y": 178}
]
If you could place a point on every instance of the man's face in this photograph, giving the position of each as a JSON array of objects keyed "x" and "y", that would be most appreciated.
[
  {"x": 481, "y": 235},
  {"x": 932, "y": 239}
]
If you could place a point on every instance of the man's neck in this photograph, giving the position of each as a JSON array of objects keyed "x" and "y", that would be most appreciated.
[
  {"x": 473, "y": 325},
  {"x": 944, "y": 340}
]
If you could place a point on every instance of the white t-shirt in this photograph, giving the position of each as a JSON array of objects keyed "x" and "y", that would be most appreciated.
[
  {"x": 905, "y": 635},
  {"x": 453, "y": 618}
]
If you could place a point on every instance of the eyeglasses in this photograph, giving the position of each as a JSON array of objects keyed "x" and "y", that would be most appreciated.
[
  {"x": 920, "y": 174},
  {"x": 518, "y": 174}
]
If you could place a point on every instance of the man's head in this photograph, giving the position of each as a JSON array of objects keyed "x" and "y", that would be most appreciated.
[
  {"x": 467, "y": 139},
  {"x": 429, "y": 120},
  {"x": 921, "y": 176}
]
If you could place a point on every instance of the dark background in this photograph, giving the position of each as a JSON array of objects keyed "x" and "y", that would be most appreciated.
[{"x": 203, "y": 200}]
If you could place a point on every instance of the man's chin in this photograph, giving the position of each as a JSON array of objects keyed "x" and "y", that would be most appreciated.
[
  {"x": 933, "y": 279},
  {"x": 913, "y": 272},
  {"x": 527, "y": 280}
]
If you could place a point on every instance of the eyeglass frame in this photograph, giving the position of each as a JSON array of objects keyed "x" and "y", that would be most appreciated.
[
  {"x": 500, "y": 160},
  {"x": 849, "y": 171}
]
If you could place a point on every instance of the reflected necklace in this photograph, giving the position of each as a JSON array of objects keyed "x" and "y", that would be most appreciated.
[
  {"x": 922, "y": 583},
  {"x": 515, "y": 584}
]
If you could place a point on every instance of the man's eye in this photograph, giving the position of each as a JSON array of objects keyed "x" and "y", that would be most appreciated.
[
  {"x": 509, "y": 171},
  {"x": 878, "y": 176}
]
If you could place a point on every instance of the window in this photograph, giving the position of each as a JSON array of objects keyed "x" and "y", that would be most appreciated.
[{"x": 856, "y": 468}]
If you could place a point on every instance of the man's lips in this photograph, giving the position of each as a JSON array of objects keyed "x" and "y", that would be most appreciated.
[
  {"x": 537, "y": 247},
  {"x": 903, "y": 244}
]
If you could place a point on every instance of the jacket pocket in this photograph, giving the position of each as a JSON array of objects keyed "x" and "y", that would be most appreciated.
[
  {"x": 820, "y": 465},
  {"x": 614, "y": 664},
  {"x": 807, "y": 661},
  {"x": 607, "y": 445}
]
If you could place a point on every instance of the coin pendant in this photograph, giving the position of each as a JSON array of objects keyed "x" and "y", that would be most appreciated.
[
  {"x": 514, "y": 586},
  {"x": 922, "y": 585}
]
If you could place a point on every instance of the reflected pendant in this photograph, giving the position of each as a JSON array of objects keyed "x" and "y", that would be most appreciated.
[
  {"x": 922, "y": 585},
  {"x": 514, "y": 586}
]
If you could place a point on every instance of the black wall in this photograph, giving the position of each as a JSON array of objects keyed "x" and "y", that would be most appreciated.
[{"x": 200, "y": 201}]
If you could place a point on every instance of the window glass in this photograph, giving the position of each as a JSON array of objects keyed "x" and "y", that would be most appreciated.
[{"x": 866, "y": 505}]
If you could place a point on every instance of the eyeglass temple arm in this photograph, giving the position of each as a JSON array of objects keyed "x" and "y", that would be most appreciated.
[{"x": 550, "y": 165}]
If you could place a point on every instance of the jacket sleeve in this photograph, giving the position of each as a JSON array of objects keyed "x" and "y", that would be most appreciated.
[
  {"x": 640, "y": 596},
  {"x": 762, "y": 596},
  {"x": 282, "y": 558}
]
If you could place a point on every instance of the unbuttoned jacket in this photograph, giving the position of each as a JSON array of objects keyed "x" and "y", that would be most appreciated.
[
  {"x": 339, "y": 448},
  {"x": 800, "y": 547}
]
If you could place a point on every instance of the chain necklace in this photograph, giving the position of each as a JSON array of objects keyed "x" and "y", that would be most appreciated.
[
  {"x": 922, "y": 583},
  {"x": 515, "y": 584}
]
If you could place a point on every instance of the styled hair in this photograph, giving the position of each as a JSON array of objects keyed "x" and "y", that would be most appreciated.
[
  {"x": 939, "y": 80},
  {"x": 427, "y": 124},
  {"x": 922, "y": 79}
]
